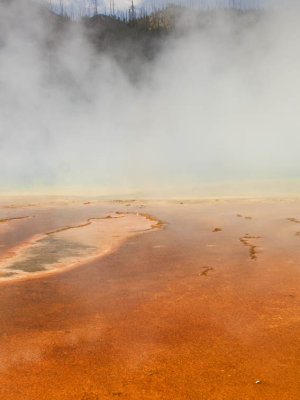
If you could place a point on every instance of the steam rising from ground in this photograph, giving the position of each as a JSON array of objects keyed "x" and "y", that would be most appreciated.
[{"x": 217, "y": 105}]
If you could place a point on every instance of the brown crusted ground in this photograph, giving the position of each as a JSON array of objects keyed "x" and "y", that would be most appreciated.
[
  {"x": 177, "y": 314},
  {"x": 294, "y": 220},
  {"x": 245, "y": 240},
  {"x": 12, "y": 219}
]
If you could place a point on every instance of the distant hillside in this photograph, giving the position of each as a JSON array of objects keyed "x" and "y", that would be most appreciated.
[
  {"x": 125, "y": 40},
  {"x": 103, "y": 23}
]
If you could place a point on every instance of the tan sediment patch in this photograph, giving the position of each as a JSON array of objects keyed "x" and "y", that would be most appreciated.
[
  {"x": 88, "y": 222},
  {"x": 21, "y": 205},
  {"x": 7, "y": 224},
  {"x": 73, "y": 245},
  {"x": 155, "y": 223}
]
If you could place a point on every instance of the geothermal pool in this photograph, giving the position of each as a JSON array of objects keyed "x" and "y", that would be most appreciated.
[{"x": 149, "y": 300}]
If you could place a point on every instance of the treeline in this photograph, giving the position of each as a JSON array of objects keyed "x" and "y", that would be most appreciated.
[{"x": 90, "y": 8}]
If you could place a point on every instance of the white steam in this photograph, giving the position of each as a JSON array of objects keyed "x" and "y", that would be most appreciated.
[{"x": 217, "y": 105}]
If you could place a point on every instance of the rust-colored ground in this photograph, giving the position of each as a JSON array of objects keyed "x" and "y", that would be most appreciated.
[{"x": 189, "y": 312}]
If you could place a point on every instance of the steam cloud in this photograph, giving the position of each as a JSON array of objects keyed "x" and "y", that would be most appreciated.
[{"x": 218, "y": 104}]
